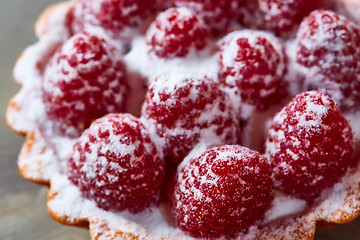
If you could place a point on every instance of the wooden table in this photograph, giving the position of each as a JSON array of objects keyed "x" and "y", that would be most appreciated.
[{"x": 23, "y": 214}]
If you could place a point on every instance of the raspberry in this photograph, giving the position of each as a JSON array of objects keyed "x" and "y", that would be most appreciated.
[
  {"x": 175, "y": 32},
  {"x": 222, "y": 192},
  {"x": 310, "y": 144},
  {"x": 281, "y": 17},
  {"x": 328, "y": 57},
  {"x": 216, "y": 14},
  {"x": 254, "y": 63},
  {"x": 85, "y": 80},
  {"x": 185, "y": 109},
  {"x": 112, "y": 15},
  {"x": 116, "y": 164}
]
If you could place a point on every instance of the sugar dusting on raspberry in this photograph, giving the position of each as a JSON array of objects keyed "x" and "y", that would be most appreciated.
[
  {"x": 282, "y": 17},
  {"x": 310, "y": 145},
  {"x": 68, "y": 200},
  {"x": 85, "y": 80},
  {"x": 254, "y": 63},
  {"x": 151, "y": 66},
  {"x": 116, "y": 164},
  {"x": 176, "y": 32},
  {"x": 185, "y": 109},
  {"x": 222, "y": 192},
  {"x": 328, "y": 57},
  {"x": 114, "y": 16},
  {"x": 216, "y": 14}
]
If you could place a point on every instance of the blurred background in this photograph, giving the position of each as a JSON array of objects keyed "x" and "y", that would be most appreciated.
[{"x": 23, "y": 214}]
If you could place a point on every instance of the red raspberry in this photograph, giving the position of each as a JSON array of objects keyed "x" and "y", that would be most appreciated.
[
  {"x": 222, "y": 192},
  {"x": 116, "y": 164},
  {"x": 85, "y": 80},
  {"x": 175, "y": 32},
  {"x": 112, "y": 15},
  {"x": 216, "y": 14},
  {"x": 310, "y": 144},
  {"x": 185, "y": 109},
  {"x": 282, "y": 16},
  {"x": 255, "y": 63},
  {"x": 328, "y": 57}
]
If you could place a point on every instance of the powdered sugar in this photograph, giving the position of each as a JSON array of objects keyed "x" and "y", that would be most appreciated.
[
  {"x": 283, "y": 17},
  {"x": 116, "y": 164},
  {"x": 152, "y": 223},
  {"x": 176, "y": 32},
  {"x": 28, "y": 73},
  {"x": 283, "y": 206},
  {"x": 117, "y": 19},
  {"x": 327, "y": 57},
  {"x": 176, "y": 97},
  {"x": 252, "y": 36},
  {"x": 299, "y": 139},
  {"x": 205, "y": 191},
  {"x": 315, "y": 112},
  {"x": 140, "y": 59},
  {"x": 69, "y": 202},
  {"x": 254, "y": 63}
]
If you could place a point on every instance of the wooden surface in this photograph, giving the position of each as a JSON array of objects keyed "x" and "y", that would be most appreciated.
[{"x": 23, "y": 214}]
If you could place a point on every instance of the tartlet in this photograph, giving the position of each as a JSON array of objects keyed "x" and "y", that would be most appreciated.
[{"x": 44, "y": 155}]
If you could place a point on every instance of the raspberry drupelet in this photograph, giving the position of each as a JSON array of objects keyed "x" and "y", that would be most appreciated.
[
  {"x": 328, "y": 57},
  {"x": 222, "y": 192},
  {"x": 254, "y": 63},
  {"x": 116, "y": 164},
  {"x": 310, "y": 145},
  {"x": 176, "y": 32},
  {"x": 84, "y": 80},
  {"x": 187, "y": 108},
  {"x": 216, "y": 14},
  {"x": 112, "y": 15}
]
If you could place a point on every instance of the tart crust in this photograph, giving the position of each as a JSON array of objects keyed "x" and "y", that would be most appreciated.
[{"x": 35, "y": 151}]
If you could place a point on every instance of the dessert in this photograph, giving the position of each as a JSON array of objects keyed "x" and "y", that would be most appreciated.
[{"x": 135, "y": 113}]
